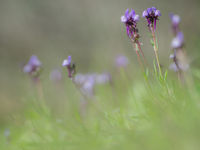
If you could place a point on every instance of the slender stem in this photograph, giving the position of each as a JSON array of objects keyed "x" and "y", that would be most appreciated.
[
  {"x": 156, "y": 50},
  {"x": 138, "y": 56},
  {"x": 140, "y": 49}
]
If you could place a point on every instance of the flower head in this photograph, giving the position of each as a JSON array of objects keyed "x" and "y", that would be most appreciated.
[
  {"x": 175, "y": 19},
  {"x": 121, "y": 61},
  {"x": 151, "y": 14},
  {"x": 130, "y": 19},
  {"x": 33, "y": 66},
  {"x": 70, "y": 66},
  {"x": 178, "y": 41}
]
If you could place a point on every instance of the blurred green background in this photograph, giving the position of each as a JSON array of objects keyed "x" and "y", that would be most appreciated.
[{"x": 89, "y": 30}]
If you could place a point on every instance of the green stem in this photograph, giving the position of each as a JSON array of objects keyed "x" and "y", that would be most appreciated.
[{"x": 156, "y": 50}]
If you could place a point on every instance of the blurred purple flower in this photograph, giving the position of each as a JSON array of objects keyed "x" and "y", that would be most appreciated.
[
  {"x": 179, "y": 67},
  {"x": 55, "y": 75},
  {"x": 175, "y": 19},
  {"x": 174, "y": 67},
  {"x": 130, "y": 19},
  {"x": 33, "y": 66},
  {"x": 151, "y": 15},
  {"x": 88, "y": 87},
  {"x": 121, "y": 61},
  {"x": 70, "y": 66},
  {"x": 178, "y": 41},
  {"x": 67, "y": 62},
  {"x": 87, "y": 82}
]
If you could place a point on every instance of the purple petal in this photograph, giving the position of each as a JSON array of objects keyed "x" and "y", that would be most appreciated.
[
  {"x": 132, "y": 13},
  {"x": 136, "y": 18},
  {"x": 34, "y": 61},
  {"x": 144, "y": 14},
  {"x": 154, "y": 9},
  {"x": 123, "y": 19},
  {"x": 27, "y": 68},
  {"x": 127, "y": 13},
  {"x": 128, "y": 30},
  {"x": 149, "y": 10},
  {"x": 65, "y": 63},
  {"x": 157, "y": 13}
]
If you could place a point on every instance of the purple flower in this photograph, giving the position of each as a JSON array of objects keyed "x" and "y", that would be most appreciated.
[
  {"x": 130, "y": 19},
  {"x": 121, "y": 61},
  {"x": 70, "y": 66},
  {"x": 178, "y": 41},
  {"x": 175, "y": 19},
  {"x": 87, "y": 82},
  {"x": 67, "y": 62},
  {"x": 179, "y": 67},
  {"x": 33, "y": 66},
  {"x": 88, "y": 87},
  {"x": 55, "y": 75},
  {"x": 151, "y": 14}
]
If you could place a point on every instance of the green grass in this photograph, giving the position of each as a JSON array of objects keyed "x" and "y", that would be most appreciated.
[{"x": 130, "y": 114}]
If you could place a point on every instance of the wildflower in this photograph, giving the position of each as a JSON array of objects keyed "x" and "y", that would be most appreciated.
[
  {"x": 55, "y": 75},
  {"x": 176, "y": 67},
  {"x": 178, "y": 41},
  {"x": 151, "y": 15},
  {"x": 121, "y": 61},
  {"x": 88, "y": 87},
  {"x": 33, "y": 67},
  {"x": 130, "y": 19},
  {"x": 70, "y": 66},
  {"x": 87, "y": 82},
  {"x": 175, "y": 19}
]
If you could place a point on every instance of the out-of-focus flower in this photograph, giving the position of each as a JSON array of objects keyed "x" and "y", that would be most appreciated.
[
  {"x": 33, "y": 66},
  {"x": 70, "y": 66},
  {"x": 179, "y": 67},
  {"x": 88, "y": 87},
  {"x": 121, "y": 61},
  {"x": 174, "y": 67},
  {"x": 175, "y": 19},
  {"x": 87, "y": 82},
  {"x": 55, "y": 75},
  {"x": 178, "y": 41},
  {"x": 152, "y": 15},
  {"x": 130, "y": 19}
]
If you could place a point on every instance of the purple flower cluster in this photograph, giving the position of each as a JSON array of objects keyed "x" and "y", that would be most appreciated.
[
  {"x": 130, "y": 19},
  {"x": 179, "y": 63},
  {"x": 70, "y": 66},
  {"x": 152, "y": 15},
  {"x": 178, "y": 40},
  {"x": 87, "y": 82},
  {"x": 33, "y": 67}
]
